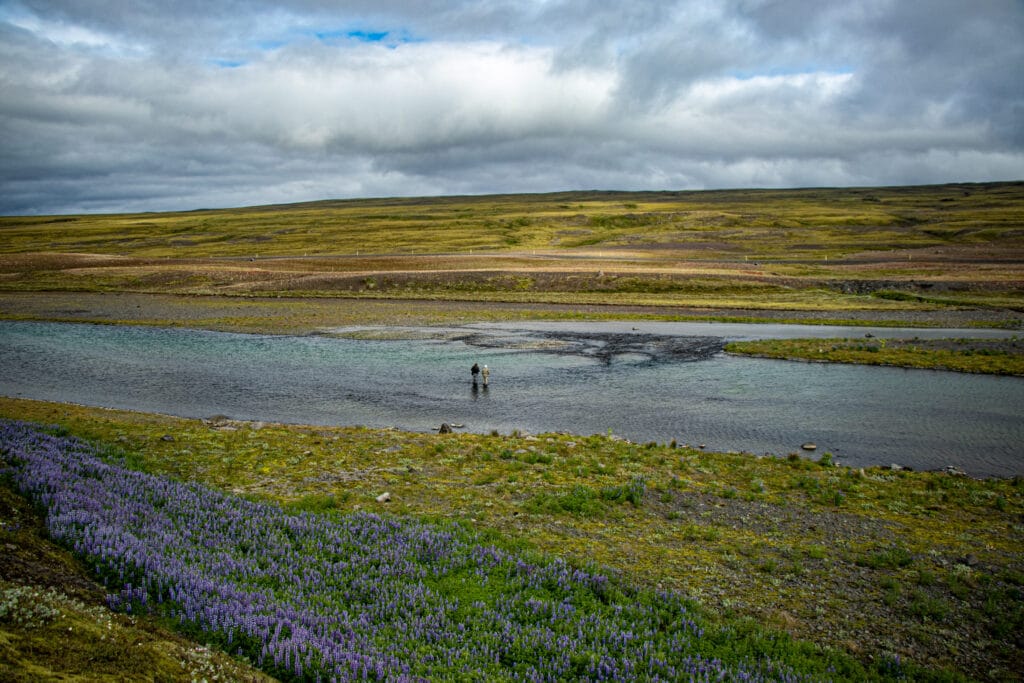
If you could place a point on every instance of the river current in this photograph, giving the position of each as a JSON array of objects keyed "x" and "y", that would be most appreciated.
[{"x": 644, "y": 382}]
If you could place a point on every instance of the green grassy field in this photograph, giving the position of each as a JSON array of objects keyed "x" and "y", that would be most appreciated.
[
  {"x": 873, "y": 563},
  {"x": 960, "y": 355},
  {"x": 887, "y": 249},
  {"x": 763, "y": 224}
]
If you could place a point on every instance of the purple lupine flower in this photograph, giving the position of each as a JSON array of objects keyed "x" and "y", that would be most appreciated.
[{"x": 355, "y": 598}]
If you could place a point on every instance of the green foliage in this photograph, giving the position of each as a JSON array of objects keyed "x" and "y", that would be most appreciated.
[
  {"x": 27, "y": 607},
  {"x": 816, "y": 552},
  {"x": 960, "y": 584},
  {"x": 319, "y": 502},
  {"x": 895, "y": 295},
  {"x": 632, "y": 492},
  {"x": 536, "y": 458},
  {"x": 1005, "y": 609},
  {"x": 580, "y": 500},
  {"x": 585, "y": 501},
  {"x": 980, "y": 356},
  {"x": 925, "y": 606},
  {"x": 892, "y": 591},
  {"x": 894, "y": 557}
]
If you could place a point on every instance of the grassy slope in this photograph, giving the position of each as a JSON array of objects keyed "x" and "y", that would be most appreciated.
[
  {"x": 755, "y": 223},
  {"x": 54, "y": 626},
  {"x": 924, "y": 565},
  {"x": 894, "y": 249}
]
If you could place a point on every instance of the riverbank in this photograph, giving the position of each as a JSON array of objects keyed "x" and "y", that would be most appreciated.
[
  {"x": 982, "y": 356},
  {"x": 305, "y": 315},
  {"x": 923, "y": 565}
]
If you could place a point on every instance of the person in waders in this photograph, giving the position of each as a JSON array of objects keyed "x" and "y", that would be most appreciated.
[
  {"x": 485, "y": 374},
  {"x": 475, "y": 370}
]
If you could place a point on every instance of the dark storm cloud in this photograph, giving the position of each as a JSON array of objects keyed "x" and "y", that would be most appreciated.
[{"x": 122, "y": 105}]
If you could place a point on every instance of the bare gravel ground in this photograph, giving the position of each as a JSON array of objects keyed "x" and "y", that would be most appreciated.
[{"x": 305, "y": 315}]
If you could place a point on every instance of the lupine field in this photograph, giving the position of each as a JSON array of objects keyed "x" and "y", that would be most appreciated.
[{"x": 334, "y": 598}]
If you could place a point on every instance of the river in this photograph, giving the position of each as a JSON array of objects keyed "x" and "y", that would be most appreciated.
[{"x": 641, "y": 381}]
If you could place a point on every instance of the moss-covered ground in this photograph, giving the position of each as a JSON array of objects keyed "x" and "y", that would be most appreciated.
[
  {"x": 845, "y": 251},
  {"x": 926, "y": 566},
  {"x": 984, "y": 356},
  {"x": 762, "y": 224}
]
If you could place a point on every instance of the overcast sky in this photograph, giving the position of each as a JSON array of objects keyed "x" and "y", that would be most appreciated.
[{"x": 126, "y": 105}]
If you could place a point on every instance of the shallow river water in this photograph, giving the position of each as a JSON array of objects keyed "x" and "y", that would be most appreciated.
[{"x": 656, "y": 383}]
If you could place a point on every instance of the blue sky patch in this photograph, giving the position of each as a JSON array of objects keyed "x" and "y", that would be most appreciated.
[
  {"x": 363, "y": 36},
  {"x": 228, "y": 63},
  {"x": 369, "y": 36}
]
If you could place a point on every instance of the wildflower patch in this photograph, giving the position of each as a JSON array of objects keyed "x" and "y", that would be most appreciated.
[{"x": 363, "y": 597}]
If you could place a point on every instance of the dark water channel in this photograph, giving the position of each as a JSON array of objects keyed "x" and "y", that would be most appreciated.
[{"x": 661, "y": 382}]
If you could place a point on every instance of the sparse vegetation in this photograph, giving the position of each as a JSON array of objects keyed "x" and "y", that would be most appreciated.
[
  {"x": 737, "y": 252},
  {"x": 997, "y": 357},
  {"x": 778, "y": 551}
]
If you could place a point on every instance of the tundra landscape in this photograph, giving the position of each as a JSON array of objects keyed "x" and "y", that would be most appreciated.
[{"x": 395, "y": 555}]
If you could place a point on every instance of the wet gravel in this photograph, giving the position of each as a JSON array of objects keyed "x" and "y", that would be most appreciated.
[{"x": 604, "y": 346}]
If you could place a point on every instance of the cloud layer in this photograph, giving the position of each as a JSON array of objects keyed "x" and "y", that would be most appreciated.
[{"x": 133, "y": 105}]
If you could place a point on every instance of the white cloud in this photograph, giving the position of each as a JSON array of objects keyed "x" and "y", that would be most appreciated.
[
  {"x": 252, "y": 102},
  {"x": 384, "y": 99},
  {"x": 67, "y": 35}
]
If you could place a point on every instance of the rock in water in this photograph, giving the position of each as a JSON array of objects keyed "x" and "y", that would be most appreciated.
[{"x": 810, "y": 446}]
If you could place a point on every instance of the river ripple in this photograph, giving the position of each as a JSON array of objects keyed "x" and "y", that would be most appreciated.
[{"x": 658, "y": 382}]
